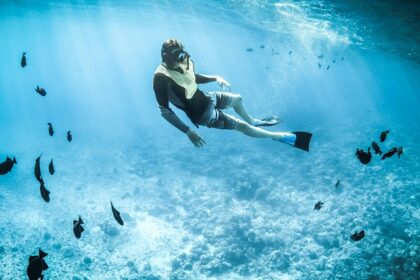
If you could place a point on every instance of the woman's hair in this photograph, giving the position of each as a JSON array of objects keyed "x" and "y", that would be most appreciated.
[{"x": 168, "y": 46}]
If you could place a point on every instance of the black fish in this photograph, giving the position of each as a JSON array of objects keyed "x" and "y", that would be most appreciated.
[
  {"x": 117, "y": 215},
  {"x": 337, "y": 184},
  {"x": 69, "y": 136},
  {"x": 376, "y": 148},
  {"x": 37, "y": 170},
  {"x": 342, "y": 58},
  {"x": 7, "y": 165},
  {"x": 77, "y": 228},
  {"x": 50, "y": 129},
  {"x": 358, "y": 236},
  {"x": 51, "y": 167},
  {"x": 44, "y": 192},
  {"x": 400, "y": 151},
  {"x": 318, "y": 205},
  {"x": 249, "y": 49},
  {"x": 328, "y": 67},
  {"x": 319, "y": 65},
  {"x": 383, "y": 135},
  {"x": 363, "y": 156},
  {"x": 262, "y": 47},
  {"x": 390, "y": 153},
  {"x": 333, "y": 61},
  {"x": 23, "y": 60},
  {"x": 41, "y": 91},
  {"x": 321, "y": 56},
  {"x": 290, "y": 52},
  {"x": 36, "y": 266}
]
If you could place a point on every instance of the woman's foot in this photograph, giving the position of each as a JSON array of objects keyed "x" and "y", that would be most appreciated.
[
  {"x": 286, "y": 137},
  {"x": 266, "y": 121}
]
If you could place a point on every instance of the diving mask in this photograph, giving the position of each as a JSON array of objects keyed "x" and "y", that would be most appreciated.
[{"x": 179, "y": 55}]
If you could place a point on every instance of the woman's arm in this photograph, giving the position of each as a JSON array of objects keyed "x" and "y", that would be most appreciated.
[
  {"x": 160, "y": 85},
  {"x": 202, "y": 79}
]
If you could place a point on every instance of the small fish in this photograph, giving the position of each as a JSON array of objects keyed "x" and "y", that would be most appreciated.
[
  {"x": 342, "y": 58},
  {"x": 50, "y": 129},
  {"x": 51, "y": 167},
  {"x": 267, "y": 67},
  {"x": 44, "y": 192},
  {"x": 337, "y": 183},
  {"x": 390, "y": 153},
  {"x": 319, "y": 65},
  {"x": 23, "y": 60},
  {"x": 376, "y": 148},
  {"x": 36, "y": 266},
  {"x": 78, "y": 228},
  {"x": 262, "y": 47},
  {"x": 358, "y": 236},
  {"x": 69, "y": 136},
  {"x": 7, "y": 165},
  {"x": 333, "y": 61},
  {"x": 363, "y": 156},
  {"x": 37, "y": 170},
  {"x": 249, "y": 49},
  {"x": 328, "y": 67},
  {"x": 400, "y": 151},
  {"x": 318, "y": 205},
  {"x": 321, "y": 56},
  {"x": 290, "y": 52},
  {"x": 383, "y": 135},
  {"x": 41, "y": 91},
  {"x": 117, "y": 215}
]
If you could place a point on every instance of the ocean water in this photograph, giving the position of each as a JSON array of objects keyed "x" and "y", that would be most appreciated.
[{"x": 237, "y": 208}]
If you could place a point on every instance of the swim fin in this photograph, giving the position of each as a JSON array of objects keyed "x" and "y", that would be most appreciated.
[
  {"x": 302, "y": 140},
  {"x": 297, "y": 139},
  {"x": 270, "y": 121}
]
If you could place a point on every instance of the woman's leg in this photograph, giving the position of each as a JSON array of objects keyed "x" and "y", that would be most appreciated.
[
  {"x": 226, "y": 121},
  {"x": 237, "y": 105},
  {"x": 257, "y": 132},
  {"x": 239, "y": 108}
]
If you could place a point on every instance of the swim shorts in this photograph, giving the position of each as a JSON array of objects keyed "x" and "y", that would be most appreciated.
[{"x": 214, "y": 116}]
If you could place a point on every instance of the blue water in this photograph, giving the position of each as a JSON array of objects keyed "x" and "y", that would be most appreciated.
[{"x": 238, "y": 208}]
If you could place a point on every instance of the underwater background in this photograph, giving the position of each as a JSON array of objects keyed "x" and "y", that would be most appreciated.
[{"x": 238, "y": 208}]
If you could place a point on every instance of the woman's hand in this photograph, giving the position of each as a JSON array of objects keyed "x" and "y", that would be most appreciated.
[
  {"x": 195, "y": 138},
  {"x": 223, "y": 83}
]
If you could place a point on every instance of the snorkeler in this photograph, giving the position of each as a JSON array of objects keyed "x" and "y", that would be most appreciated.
[{"x": 175, "y": 81}]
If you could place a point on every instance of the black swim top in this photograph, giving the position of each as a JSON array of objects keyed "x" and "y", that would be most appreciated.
[{"x": 166, "y": 90}]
